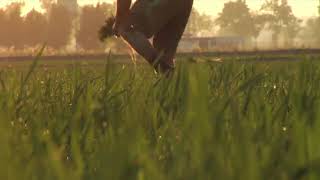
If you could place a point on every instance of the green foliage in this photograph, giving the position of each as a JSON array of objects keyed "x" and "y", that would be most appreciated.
[
  {"x": 3, "y": 29},
  {"x": 281, "y": 20},
  {"x": 54, "y": 27},
  {"x": 199, "y": 23},
  {"x": 35, "y": 28},
  {"x": 228, "y": 120},
  {"x": 91, "y": 19},
  {"x": 59, "y": 26},
  {"x": 236, "y": 19},
  {"x": 13, "y": 26},
  {"x": 106, "y": 31},
  {"x": 310, "y": 32}
]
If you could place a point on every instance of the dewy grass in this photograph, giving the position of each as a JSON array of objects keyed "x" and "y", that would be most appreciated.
[{"x": 231, "y": 120}]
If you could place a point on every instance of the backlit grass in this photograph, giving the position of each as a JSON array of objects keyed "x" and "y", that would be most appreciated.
[{"x": 230, "y": 120}]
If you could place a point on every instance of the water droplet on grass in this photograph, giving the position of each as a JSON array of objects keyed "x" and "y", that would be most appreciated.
[
  {"x": 104, "y": 124},
  {"x": 46, "y": 132},
  {"x": 284, "y": 129}
]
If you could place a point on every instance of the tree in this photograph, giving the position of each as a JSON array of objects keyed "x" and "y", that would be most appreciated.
[
  {"x": 236, "y": 19},
  {"x": 91, "y": 19},
  {"x": 14, "y": 24},
  {"x": 59, "y": 27},
  {"x": 281, "y": 20},
  {"x": 260, "y": 21},
  {"x": 310, "y": 34},
  {"x": 35, "y": 26},
  {"x": 319, "y": 8},
  {"x": 3, "y": 29},
  {"x": 46, "y": 4},
  {"x": 199, "y": 23}
]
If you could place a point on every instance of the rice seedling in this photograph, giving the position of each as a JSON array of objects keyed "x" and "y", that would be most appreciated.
[{"x": 230, "y": 120}]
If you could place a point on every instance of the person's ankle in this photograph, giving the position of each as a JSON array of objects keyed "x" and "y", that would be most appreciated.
[{"x": 167, "y": 66}]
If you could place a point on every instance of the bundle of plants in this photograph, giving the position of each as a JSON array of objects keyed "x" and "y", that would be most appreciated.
[{"x": 106, "y": 31}]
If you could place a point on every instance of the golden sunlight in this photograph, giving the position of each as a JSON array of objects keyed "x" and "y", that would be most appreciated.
[{"x": 212, "y": 7}]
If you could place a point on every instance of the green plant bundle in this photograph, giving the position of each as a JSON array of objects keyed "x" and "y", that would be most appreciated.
[{"x": 106, "y": 31}]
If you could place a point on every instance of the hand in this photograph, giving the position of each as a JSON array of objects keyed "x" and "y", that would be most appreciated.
[{"x": 116, "y": 28}]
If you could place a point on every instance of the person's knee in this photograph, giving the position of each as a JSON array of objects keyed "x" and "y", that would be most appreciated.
[{"x": 125, "y": 31}]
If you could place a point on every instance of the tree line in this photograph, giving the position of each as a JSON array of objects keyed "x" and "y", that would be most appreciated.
[
  {"x": 56, "y": 27},
  {"x": 275, "y": 16}
]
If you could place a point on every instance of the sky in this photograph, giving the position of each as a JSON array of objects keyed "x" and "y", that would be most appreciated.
[{"x": 301, "y": 8}]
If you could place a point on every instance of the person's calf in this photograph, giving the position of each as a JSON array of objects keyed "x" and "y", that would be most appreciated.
[{"x": 140, "y": 44}]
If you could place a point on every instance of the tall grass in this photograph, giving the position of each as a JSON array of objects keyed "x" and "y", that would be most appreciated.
[{"x": 208, "y": 121}]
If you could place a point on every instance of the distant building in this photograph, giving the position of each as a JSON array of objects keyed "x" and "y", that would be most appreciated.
[{"x": 194, "y": 44}]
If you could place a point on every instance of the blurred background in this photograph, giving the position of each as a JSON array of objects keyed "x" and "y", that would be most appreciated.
[{"x": 71, "y": 26}]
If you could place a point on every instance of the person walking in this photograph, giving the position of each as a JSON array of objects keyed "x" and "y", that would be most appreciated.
[{"x": 162, "y": 20}]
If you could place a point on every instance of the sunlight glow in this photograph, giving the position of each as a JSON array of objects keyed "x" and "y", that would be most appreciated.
[{"x": 301, "y": 8}]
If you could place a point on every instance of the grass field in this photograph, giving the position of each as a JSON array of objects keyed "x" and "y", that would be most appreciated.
[{"x": 230, "y": 120}]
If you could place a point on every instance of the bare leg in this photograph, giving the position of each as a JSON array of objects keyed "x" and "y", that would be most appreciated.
[
  {"x": 168, "y": 38},
  {"x": 167, "y": 41},
  {"x": 140, "y": 43}
]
